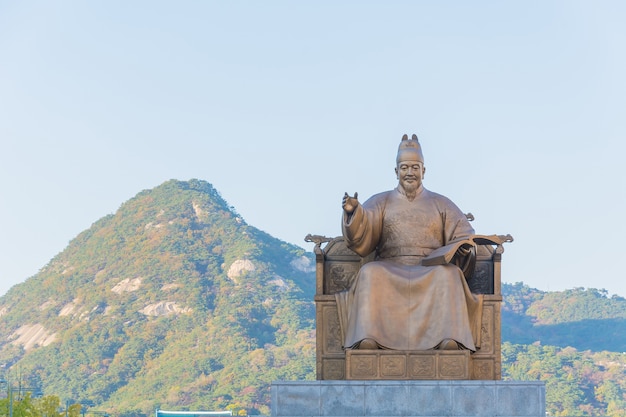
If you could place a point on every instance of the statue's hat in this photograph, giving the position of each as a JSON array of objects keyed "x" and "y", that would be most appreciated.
[{"x": 409, "y": 149}]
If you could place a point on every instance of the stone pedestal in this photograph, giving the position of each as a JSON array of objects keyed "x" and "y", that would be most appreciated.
[{"x": 408, "y": 398}]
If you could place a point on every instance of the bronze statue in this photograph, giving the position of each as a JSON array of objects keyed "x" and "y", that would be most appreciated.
[{"x": 396, "y": 302}]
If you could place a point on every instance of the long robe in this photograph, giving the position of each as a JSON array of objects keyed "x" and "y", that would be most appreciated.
[{"x": 395, "y": 300}]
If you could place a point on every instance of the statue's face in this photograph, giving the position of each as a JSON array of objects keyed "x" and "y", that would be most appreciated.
[{"x": 410, "y": 174}]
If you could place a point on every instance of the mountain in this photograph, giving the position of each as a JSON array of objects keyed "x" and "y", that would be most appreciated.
[
  {"x": 574, "y": 341},
  {"x": 174, "y": 302},
  {"x": 171, "y": 302},
  {"x": 586, "y": 319}
]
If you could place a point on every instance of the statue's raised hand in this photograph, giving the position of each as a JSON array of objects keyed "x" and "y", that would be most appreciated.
[{"x": 349, "y": 203}]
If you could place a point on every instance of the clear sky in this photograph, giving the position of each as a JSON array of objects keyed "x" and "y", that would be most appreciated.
[{"x": 283, "y": 106}]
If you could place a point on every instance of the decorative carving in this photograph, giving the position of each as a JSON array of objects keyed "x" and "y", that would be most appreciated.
[
  {"x": 483, "y": 369},
  {"x": 486, "y": 330},
  {"x": 317, "y": 239},
  {"x": 341, "y": 275},
  {"x": 334, "y": 369},
  {"x": 422, "y": 367},
  {"x": 393, "y": 366},
  {"x": 363, "y": 366},
  {"x": 333, "y": 331},
  {"x": 482, "y": 280},
  {"x": 452, "y": 367},
  {"x": 506, "y": 238},
  {"x": 403, "y": 365}
]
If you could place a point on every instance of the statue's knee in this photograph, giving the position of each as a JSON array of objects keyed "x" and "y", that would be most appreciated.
[
  {"x": 371, "y": 268},
  {"x": 369, "y": 271}
]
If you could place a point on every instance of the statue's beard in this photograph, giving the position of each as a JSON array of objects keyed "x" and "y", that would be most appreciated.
[{"x": 410, "y": 190}]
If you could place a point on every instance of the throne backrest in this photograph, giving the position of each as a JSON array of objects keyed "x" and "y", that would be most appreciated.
[{"x": 340, "y": 265}]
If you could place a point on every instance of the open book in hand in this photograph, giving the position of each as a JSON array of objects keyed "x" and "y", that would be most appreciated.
[{"x": 445, "y": 254}]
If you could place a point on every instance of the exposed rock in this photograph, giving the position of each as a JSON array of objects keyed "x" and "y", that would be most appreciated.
[
  {"x": 86, "y": 316},
  {"x": 67, "y": 270},
  {"x": 170, "y": 286},
  {"x": 127, "y": 285},
  {"x": 31, "y": 335},
  {"x": 280, "y": 283},
  {"x": 68, "y": 308},
  {"x": 46, "y": 305},
  {"x": 198, "y": 210},
  {"x": 303, "y": 264},
  {"x": 164, "y": 308},
  {"x": 238, "y": 267}
]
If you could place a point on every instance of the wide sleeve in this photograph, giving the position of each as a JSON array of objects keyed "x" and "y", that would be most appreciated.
[
  {"x": 361, "y": 230},
  {"x": 456, "y": 225}
]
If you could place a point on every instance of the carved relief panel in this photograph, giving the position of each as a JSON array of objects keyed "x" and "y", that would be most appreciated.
[
  {"x": 340, "y": 275},
  {"x": 403, "y": 365},
  {"x": 487, "y": 329},
  {"x": 334, "y": 368},
  {"x": 331, "y": 330},
  {"x": 482, "y": 280}
]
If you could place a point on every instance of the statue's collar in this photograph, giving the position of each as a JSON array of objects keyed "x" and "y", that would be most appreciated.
[{"x": 419, "y": 191}]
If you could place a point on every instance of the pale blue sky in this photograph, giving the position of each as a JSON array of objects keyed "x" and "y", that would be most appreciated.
[{"x": 520, "y": 108}]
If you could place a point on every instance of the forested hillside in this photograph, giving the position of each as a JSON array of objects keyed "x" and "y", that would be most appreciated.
[
  {"x": 172, "y": 301},
  {"x": 582, "y": 318},
  {"x": 175, "y": 302},
  {"x": 574, "y": 341}
]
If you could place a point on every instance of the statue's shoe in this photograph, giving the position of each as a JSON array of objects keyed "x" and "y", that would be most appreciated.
[
  {"x": 447, "y": 344},
  {"x": 368, "y": 344}
]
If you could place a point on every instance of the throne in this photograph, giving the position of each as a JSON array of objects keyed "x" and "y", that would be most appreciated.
[{"x": 336, "y": 269}]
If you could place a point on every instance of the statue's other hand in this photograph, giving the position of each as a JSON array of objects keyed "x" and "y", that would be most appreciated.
[{"x": 349, "y": 203}]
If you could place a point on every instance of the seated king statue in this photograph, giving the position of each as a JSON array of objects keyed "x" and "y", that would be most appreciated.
[{"x": 395, "y": 302}]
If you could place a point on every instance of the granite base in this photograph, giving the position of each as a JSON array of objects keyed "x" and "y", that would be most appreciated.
[{"x": 408, "y": 398}]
